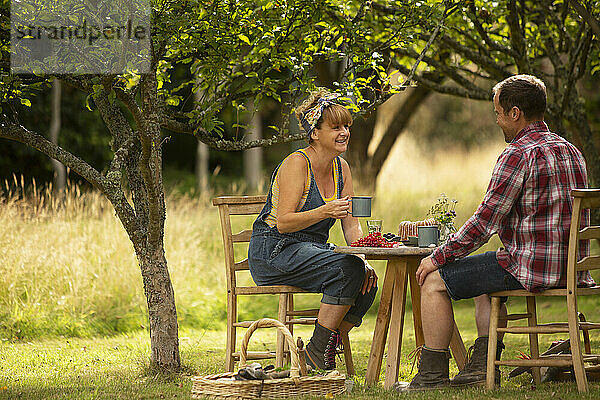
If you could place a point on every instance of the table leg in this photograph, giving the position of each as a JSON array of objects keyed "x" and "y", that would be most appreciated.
[
  {"x": 459, "y": 352},
  {"x": 415, "y": 296},
  {"x": 397, "y": 322},
  {"x": 381, "y": 327}
]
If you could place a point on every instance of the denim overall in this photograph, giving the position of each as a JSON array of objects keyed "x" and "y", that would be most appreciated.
[{"x": 304, "y": 258}]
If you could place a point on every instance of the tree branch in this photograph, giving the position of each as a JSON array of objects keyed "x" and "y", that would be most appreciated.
[
  {"x": 486, "y": 38},
  {"x": 21, "y": 134},
  {"x": 479, "y": 94},
  {"x": 497, "y": 71},
  {"x": 587, "y": 16},
  {"x": 516, "y": 37},
  {"x": 399, "y": 122}
]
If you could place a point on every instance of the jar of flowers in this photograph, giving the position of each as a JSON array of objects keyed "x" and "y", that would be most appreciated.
[{"x": 444, "y": 213}]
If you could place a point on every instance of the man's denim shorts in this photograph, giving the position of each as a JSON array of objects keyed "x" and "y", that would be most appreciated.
[{"x": 473, "y": 276}]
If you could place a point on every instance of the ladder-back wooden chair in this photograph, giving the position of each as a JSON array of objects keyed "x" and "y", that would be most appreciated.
[
  {"x": 252, "y": 205},
  {"x": 582, "y": 199}
]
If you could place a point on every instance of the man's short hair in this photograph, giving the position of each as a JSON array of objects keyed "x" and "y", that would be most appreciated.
[{"x": 525, "y": 92}]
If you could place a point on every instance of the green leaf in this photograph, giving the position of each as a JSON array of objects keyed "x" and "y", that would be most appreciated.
[
  {"x": 87, "y": 102},
  {"x": 26, "y": 102},
  {"x": 339, "y": 41},
  {"x": 244, "y": 38}
]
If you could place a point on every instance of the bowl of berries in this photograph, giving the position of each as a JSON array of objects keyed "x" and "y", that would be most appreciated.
[{"x": 377, "y": 239}]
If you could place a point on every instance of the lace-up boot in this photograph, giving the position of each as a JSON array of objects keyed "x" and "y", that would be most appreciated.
[
  {"x": 475, "y": 369},
  {"x": 321, "y": 349},
  {"x": 433, "y": 372}
]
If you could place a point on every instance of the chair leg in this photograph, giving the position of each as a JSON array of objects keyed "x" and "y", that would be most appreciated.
[
  {"x": 290, "y": 327},
  {"x": 230, "y": 344},
  {"x": 533, "y": 338},
  {"x": 348, "y": 355},
  {"x": 492, "y": 343},
  {"x": 281, "y": 316},
  {"x": 576, "y": 356}
]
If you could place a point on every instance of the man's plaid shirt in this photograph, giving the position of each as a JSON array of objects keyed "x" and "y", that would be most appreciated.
[{"x": 528, "y": 204}]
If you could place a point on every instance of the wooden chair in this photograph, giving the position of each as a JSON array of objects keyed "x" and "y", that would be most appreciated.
[
  {"x": 582, "y": 199},
  {"x": 287, "y": 314}
]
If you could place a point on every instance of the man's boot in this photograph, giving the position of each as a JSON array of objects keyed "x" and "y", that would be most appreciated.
[
  {"x": 433, "y": 372},
  {"x": 475, "y": 369},
  {"x": 321, "y": 349}
]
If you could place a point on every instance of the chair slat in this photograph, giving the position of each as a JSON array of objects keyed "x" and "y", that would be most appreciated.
[
  {"x": 588, "y": 263},
  {"x": 534, "y": 329},
  {"x": 556, "y": 362},
  {"x": 303, "y": 321},
  {"x": 239, "y": 200},
  {"x": 242, "y": 237},
  {"x": 515, "y": 317},
  {"x": 582, "y": 291},
  {"x": 255, "y": 355},
  {"x": 275, "y": 289},
  {"x": 245, "y": 209},
  {"x": 591, "y": 232},
  {"x": 303, "y": 313},
  {"x": 241, "y": 265}
]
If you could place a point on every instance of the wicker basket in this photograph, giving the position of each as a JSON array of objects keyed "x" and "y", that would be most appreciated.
[{"x": 220, "y": 386}]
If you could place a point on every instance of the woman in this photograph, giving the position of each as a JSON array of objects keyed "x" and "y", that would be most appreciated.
[{"x": 310, "y": 189}]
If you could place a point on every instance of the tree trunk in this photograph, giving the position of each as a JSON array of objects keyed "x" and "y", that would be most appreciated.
[
  {"x": 162, "y": 313},
  {"x": 60, "y": 171},
  {"x": 365, "y": 167},
  {"x": 253, "y": 157},
  {"x": 202, "y": 158},
  {"x": 357, "y": 155}
]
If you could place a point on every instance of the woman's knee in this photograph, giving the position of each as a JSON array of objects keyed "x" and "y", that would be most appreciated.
[{"x": 354, "y": 268}]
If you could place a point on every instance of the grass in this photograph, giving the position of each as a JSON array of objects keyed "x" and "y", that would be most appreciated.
[
  {"x": 72, "y": 309},
  {"x": 117, "y": 367}
]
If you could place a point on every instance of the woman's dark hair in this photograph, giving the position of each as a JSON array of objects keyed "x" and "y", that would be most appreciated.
[{"x": 526, "y": 92}]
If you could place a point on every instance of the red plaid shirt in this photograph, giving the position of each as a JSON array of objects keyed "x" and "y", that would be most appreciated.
[{"x": 528, "y": 204}]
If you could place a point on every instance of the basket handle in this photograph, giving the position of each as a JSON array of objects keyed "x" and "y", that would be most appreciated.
[{"x": 270, "y": 323}]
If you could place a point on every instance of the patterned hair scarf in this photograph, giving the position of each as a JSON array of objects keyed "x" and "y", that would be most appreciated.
[{"x": 310, "y": 117}]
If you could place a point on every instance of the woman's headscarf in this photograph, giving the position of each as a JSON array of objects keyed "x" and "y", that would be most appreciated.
[{"x": 310, "y": 117}]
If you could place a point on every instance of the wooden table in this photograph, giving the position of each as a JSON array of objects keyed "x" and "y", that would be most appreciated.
[{"x": 402, "y": 263}]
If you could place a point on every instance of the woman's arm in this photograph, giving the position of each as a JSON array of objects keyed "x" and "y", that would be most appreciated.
[
  {"x": 291, "y": 178},
  {"x": 350, "y": 225}
]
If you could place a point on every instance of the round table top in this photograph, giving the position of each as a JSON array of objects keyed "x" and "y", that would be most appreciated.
[{"x": 386, "y": 251}]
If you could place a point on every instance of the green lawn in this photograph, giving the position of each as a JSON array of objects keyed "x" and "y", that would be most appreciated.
[{"x": 117, "y": 367}]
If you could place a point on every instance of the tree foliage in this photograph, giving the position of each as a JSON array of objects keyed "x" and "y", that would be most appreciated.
[{"x": 488, "y": 41}]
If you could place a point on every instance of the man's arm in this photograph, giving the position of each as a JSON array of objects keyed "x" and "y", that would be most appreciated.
[{"x": 504, "y": 190}]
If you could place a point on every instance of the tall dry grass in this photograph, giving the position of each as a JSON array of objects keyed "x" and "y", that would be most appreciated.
[{"x": 69, "y": 268}]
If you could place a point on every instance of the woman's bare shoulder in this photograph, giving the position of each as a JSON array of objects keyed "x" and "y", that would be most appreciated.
[
  {"x": 294, "y": 163},
  {"x": 345, "y": 166}
]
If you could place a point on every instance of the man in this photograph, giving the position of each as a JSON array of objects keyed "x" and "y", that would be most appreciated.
[{"x": 528, "y": 204}]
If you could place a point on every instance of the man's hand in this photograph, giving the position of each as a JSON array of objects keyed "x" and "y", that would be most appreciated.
[{"x": 425, "y": 268}]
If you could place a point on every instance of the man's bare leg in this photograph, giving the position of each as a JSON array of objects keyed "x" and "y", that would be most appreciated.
[
  {"x": 436, "y": 312},
  {"x": 482, "y": 316}
]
